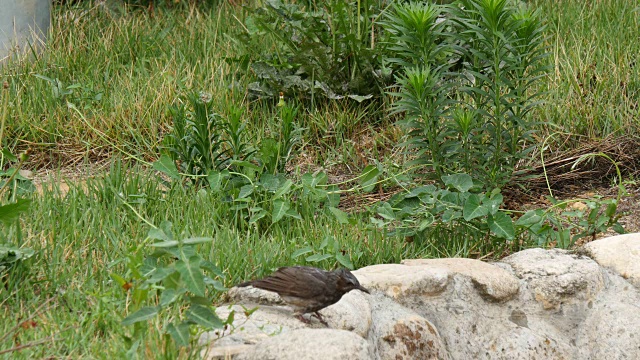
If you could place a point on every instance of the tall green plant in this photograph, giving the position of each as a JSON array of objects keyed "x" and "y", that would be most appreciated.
[
  {"x": 504, "y": 52},
  {"x": 195, "y": 141},
  {"x": 468, "y": 84},
  {"x": 418, "y": 34},
  {"x": 424, "y": 102},
  {"x": 329, "y": 50}
]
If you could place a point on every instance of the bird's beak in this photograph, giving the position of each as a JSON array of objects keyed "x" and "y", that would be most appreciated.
[{"x": 363, "y": 289}]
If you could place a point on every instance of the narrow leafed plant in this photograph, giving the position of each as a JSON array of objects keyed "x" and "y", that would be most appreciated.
[
  {"x": 195, "y": 141},
  {"x": 468, "y": 84},
  {"x": 503, "y": 56}
]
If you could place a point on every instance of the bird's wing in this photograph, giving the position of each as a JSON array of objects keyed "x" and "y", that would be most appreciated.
[{"x": 297, "y": 281}]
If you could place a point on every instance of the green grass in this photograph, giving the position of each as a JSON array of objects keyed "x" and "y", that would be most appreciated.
[
  {"x": 142, "y": 64},
  {"x": 595, "y": 84},
  {"x": 84, "y": 236}
]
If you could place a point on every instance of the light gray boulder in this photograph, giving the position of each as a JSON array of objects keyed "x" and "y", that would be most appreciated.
[
  {"x": 400, "y": 333},
  {"x": 556, "y": 277},
  {"x": 619, "y": 253},
  {"x": 311, "y": 344},
  {"x": 535, "y": 304}
]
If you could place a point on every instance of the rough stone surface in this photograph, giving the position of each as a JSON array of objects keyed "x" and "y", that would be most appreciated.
[
  {"x": 399, "y": 333},
  {"x": 352, "y": 313},
  {"x": 554, "y": 276},
  {"x": 309, "y": 344},
  {"x": 397, "y": 282},
  {"x": 620, "y": 253},
  {"x": 491, "y": 281},
  {"x": 265, "y": 322},
  {"x": 254, "y": 296},
  {"x": 535, "y": 304}
]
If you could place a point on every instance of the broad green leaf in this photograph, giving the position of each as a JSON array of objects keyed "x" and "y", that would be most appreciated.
[
  {"x": 180, "y": 334},
  {"x": 216, "y": 179},
  {"x": 611, "y": 210},
  {"x": 245, "y": 191},
  {"x": 9, "y": 213},
  {"x": 270, "y": 182},
  {"x": 369, "y": 177},
  {"x": 169, "y": 296},
  {"x": 320, "y": 179},
  {"x": 157, "y": 234},
  {"x": 529, "y": 218},
  {"x": 451, "y": 214},
  {"x": 493, "y": 202},
  {"x": 461, "y": 182},
  {"x": 230, "y": 317},
  {"x": 299, "y": 252},
  {"x": 473, "y": 208},
  {"x": 258, "y": 215},
  {"x": 144, "y": 314},
  {"x": 617, "y": 227},
  {"x": 283, "y": 189},
  {"x": 204, "y": 317},
  {"x": 217, "y": 284},
  {"x": 360, "y": 98},
  {"x": 160, "y": 274},
  {"x": 200, "y": 300},
  {"x": 501, "y": 225},
  {"x": 344, "y": 261},
  {"x": 292, "y": 213},
  {"x": 307, "y": 180},
  {"x": 140, "y": 295},
  {"x": 240, "y": 206},
  {"x": 280, "y": 208},
  {"x": 165, "y": 244},
  {"x": 196, "y": 240},
  {"x": 166, "y": 165},
  {"x": 426, "y": 222},
  {"x": 341, "y": 216},
  {"x": 333, "y": 195},
  {"x": 386, "y": 211},
  {"x": 318, "y": 257},
  {"x": 325, "y": 241},
  {"x": 377, "y": 222},
  {"x": 211, "y": 267},
  {"x": 191, "y": 274},
  {"x": 8, "y": 155},
  {"x": 182, "y": 252},
  {"x": 117, "y": 278},
  {"x": 420, "y": 190}
]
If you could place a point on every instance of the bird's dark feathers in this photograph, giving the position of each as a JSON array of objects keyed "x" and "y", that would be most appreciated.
[
  {"x": 296, "y": 281},
  {"x": 308, "y": 289}
]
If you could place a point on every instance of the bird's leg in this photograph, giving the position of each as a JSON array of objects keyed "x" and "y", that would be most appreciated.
[
  {"x": 302, "y": 318},
  {"x": 317, "y": 314}
]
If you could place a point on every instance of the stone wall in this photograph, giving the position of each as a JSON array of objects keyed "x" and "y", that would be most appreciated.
[{"x": 535, "y": 304}]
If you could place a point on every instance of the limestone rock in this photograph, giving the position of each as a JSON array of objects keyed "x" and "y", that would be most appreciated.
[
  {"x": 535, "y": 304},
  {"x": 524, "y": 343},
  {"x": 620, "y": 253},
  {"x": 399, "y": 333},
  {"x": 399, "y": 281},
  {"x": 610, "y": 332},
  {"x": 253, "y": 295},
  {"x": 244, "y": 332},
  {"x": 352, "y": 313},
  {"x": 555, "y": 275},
  {"x": 311, "y": 344},
  {"x": 491, "y": 281}
]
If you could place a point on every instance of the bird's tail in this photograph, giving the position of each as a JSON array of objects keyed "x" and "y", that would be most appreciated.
[{"x": 244, "y": 284}]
